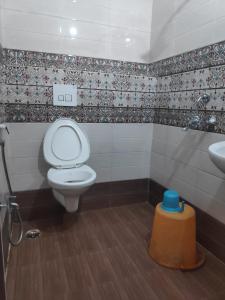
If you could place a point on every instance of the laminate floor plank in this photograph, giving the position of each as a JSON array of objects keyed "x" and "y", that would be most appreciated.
[{"x": 103, "y": 255}]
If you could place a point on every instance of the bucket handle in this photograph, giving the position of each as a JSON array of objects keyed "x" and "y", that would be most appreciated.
[{"x": 182, "y": 206}]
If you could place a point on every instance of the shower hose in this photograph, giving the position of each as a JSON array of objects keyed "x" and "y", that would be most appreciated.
[{"x": 12, "y": 207}]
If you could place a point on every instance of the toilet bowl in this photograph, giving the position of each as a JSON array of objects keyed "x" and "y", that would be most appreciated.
[{"x": 66, "y": 148}]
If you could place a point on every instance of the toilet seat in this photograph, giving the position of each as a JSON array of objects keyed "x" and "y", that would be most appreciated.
[
  {"x": 65, "y": 145},
  {"x": 71, "y": 178}
]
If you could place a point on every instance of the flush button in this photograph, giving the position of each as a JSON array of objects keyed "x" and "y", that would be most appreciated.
[
  {"x": 68, "y": 98},
  {"x": 60, "y": 97}
]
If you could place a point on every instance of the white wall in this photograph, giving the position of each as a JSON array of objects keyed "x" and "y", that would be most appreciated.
[
  {"x": 141, "y": 31},
  {"x": 118, "y": 152},
  {"x": 180, "y": 160},
  {"x": 182, "y": 25},
  {"x": 1, "y": 17},
  {"x": 98, "y": 28}
]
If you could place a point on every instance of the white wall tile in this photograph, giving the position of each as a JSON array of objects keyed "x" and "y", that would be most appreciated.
[
  {"x": 100, "y": 137},
  {"x": 69, "y": 28},
  {"x": 103, "y": 175},
  {"x": 118, "y": 152},
  {"x": 135, "y": 159},
  {"x": 157, "y": 175},
  {"x": 22, "y": 165},
  {"x": 160, "y": 131},
  {"x": 128, "y": 144},
  {"x": 158, "y": 162},
  {"x": 206, "y": 165},
  {"x": 159, "y": 146},
  {"x": 185, "y": 190},
  {"x": 180, "y": 160},
  {"x": 102, "y": 164},
  {"x": 181, "y": 171},
  {"x": 209, "y": 138},
  {"x": 103, "y": 28},
  {"x": 17, "y": 149},
  {"x": 25, "y": 40},
  {"x": 155, "y": 29},
  {"x": 209, "y": 204},
  {"x": 127, "y": 173},
  {"x": 123, "y": 14},
  {"x": 25, "y": 131},
  {"x": 28, "y": 181},
  {"x": 185, "y": 25},
  {"x": 212, "y": 185},
  {"x": 100, "y": 160}
]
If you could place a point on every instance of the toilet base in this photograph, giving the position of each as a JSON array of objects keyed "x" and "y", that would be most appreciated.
[{"x": 70, "y": 202}]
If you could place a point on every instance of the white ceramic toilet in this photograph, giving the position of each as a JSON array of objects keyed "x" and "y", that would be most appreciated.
[{"x": 66, "y": 148}]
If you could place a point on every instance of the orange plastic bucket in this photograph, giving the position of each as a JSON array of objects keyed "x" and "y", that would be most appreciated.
[{"x": 173, "y": 240}]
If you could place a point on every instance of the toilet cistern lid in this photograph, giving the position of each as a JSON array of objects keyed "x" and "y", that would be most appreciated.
[{"x": 65, "y": 144}]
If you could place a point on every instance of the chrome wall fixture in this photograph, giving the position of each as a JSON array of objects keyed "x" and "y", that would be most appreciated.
[{"x": 197, "y": 120}]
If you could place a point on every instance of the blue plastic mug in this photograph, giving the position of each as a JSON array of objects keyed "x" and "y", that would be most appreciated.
[{"x": 171, "y": 202}]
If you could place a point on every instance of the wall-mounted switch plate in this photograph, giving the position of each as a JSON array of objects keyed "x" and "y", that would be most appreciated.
[{"x": 64, "y": 95}]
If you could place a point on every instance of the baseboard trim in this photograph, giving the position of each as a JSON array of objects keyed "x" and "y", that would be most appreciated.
[{"x": 210, "y": 232}]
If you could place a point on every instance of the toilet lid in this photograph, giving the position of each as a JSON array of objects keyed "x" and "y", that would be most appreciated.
[{"x": 65, "y": 144}]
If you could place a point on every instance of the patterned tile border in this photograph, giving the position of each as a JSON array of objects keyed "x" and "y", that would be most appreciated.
[
  {"x": 181, "y": 118},
  {"x": 187, "y": 99},
  {"x": 208, "y": 78},
  {"x": 83, "y": 114},
  {"x": 208, "y": 56},
  {"x": 98, "y": 114},
  {"x": 80, "y": 63}
]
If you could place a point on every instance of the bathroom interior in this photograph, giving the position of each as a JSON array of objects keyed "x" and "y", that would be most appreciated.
[{"x": 105, "y": 105}]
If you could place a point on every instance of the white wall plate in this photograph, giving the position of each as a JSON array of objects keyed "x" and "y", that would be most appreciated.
[{"x": 64, "y": 95}]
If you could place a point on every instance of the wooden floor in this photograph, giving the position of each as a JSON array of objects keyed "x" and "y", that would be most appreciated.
[{"x": 102, "y": 254}]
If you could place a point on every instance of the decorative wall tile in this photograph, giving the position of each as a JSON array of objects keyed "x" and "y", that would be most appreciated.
[
  {"x": 26, "y": 94},
  {"x": 82, "y": 79},
  {"x": 181, "y": 117},
  {"x": 194, "y": 80},
  {"x": 209, "y": 56},
  {"x": 216, "y": 78},
  {"x": 115, "y": 91},
  {"x": 96, "y": 114},
  {"x": 33, "y": 75},
  {"x": 187, "y": 99},
  {"x": 79, "y": 63},
  {"x": 212, "y": 55},
  {"x": 29, "y": 77}
]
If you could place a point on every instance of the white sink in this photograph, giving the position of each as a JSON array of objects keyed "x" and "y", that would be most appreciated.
[{"x": 217, "y": 155}]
